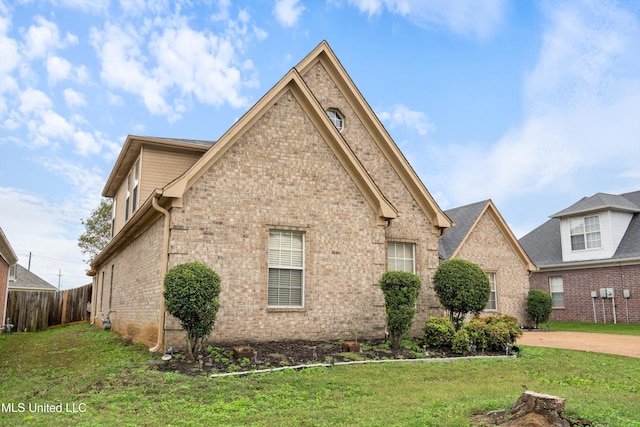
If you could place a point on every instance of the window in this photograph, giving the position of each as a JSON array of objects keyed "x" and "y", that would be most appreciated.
[
  {"x": 492, "y": 304},
  {"x": 113, "y": 218},
  {"x": 585, "y": 233},
  {"x": 126, "y": 202},
  {"x": 286, "y": 269},
  {"x": 136, "y": 173},
  {"x": 337, "y": 118},
  {"x": 401, "y": 257},
  {"x": 557, "y": 292}
]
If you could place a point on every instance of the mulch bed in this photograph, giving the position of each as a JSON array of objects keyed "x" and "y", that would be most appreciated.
[{"x": 221, "y": 359}]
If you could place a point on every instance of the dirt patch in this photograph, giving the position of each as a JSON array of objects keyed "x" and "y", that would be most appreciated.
[
  {"x": 221, "y": 358},
  {"x": 621, "y": 345}
]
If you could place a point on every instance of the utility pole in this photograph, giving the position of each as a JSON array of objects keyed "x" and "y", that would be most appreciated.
[
  {"x": 59, "y": 276},
  {"x": 29, "y": 267}
]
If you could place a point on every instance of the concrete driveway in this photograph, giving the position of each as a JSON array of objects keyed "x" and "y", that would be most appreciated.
[{"x": 621, "y": 345}]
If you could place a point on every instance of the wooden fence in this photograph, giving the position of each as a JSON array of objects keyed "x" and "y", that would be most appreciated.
[{"x": 37, "y": 311}]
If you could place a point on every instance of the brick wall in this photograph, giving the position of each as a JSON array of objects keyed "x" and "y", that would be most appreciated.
[
  {"x": 282, "y": 175},
  {"x": 412, "y": 225},
  {"x": 488, "y": 247},
  {"x": 130, "y": 285},
  {"x": 578, "y": 285}
]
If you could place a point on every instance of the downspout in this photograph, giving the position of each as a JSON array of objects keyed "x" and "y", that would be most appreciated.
[{"x": 163, "y": 269}]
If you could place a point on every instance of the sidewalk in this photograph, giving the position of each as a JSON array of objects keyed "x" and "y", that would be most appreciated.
[{"x": 621, "y": 345}]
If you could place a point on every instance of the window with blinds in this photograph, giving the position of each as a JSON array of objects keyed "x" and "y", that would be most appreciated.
[
  {"x": 401, "y": 257},
  {"x": 556, "y": 287},
  {"x": 286, "y": 269},
  {"x": 492, "y": 304}
]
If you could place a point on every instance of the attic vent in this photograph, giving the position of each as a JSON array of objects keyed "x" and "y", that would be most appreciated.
[{"x": 337, "y": 118}]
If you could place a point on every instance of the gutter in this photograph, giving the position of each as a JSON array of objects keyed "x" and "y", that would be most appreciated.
[
  {"x": 163, "y": 268},
  {"x": 572, "y": 265}
]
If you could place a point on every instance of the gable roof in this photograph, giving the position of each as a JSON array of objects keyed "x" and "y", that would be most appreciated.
[
  {"x": 27, "y": 281},
  {"x": 294, "y": 82},
  {"x": 599, "y": 201},
  {"x": 466, "y": 218},
  {"x": 544, "y": 244},
  {"x": 325, "y": 55}
]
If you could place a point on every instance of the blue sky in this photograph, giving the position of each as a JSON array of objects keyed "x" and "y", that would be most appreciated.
[{"x": 534, "y": 104}]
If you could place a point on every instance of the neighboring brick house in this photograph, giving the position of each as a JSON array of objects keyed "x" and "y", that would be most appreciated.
[
  {"x": 8, "y": 262},
  {"x": 481, "y": 235},
  {"x": 591, "y": 246},
  {"x": 300, "y": 207}
]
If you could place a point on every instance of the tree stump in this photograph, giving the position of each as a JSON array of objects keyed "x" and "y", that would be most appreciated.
[{"x": 531, "y": 410}]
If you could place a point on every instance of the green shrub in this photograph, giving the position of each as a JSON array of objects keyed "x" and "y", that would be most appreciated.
[
  {"x": 463, "y": 287},
  {"x": 191, "y": 294},
  {"x": 400, "y": 291},
  {"x": 539, "y": 306},
  {"x": 493, "y": 333},
  {"x": 438, "y": 332},
  {"x": 461, "y": 342}
]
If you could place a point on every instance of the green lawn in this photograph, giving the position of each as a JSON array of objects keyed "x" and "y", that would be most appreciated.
[
  {"x": 109, "y": 383},
  {"x": 601, "y": 328}
]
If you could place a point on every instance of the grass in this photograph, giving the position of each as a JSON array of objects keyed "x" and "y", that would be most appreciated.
[
  {"x": 92, "y": 370},
  {"x": 601, "y": 328}
]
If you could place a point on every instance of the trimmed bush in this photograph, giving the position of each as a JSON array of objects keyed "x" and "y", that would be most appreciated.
[
  {"x": 191, "y": 295},
  {"x": 461, "y": 342},
  {"x": 463, "y": 288},
  {"x": 539, "y": 306},
  {"x": 438, "y": 332},
  {"x": 400, "y": 291},
  {"x": 493, "y": 333}
]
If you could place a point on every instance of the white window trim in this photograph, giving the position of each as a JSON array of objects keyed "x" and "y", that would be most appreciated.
[
  {"x": 551, "y": 291},
  {"x": 136, "y": 188},
  {"x": 494, "y": 290},
  {"x": 413, "y": 256},
  {"x": 584, "y": 233},
  {"x": 336, "y": 117},
  {"x": 280, "y": 267},
  {"x": 127, "y": 202},
  {"x": 113, "y": 217}
]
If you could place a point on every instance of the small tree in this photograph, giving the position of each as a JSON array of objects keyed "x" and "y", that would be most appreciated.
[
  {"x": 539, "y": 306},
  {"x": 462, "y": 287},
  {"x": 191, "y": 295},
  {"x": 97, "y": 230},
  {"x": 400, "y": 291}
]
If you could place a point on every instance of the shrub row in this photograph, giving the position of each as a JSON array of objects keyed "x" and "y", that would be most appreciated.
[{"x": 490, "y": 333}]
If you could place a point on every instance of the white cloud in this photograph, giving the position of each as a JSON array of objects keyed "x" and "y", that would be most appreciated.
[
  {"x": 582, "y": 98},
  {"x": 203, "y": 65},
  {"x": 586, "y": 47},
  {"x": 74, "y": 98},
  {"x": 401, "y": 115},
  {"x": 32, "y": 100},
  {"x": 51, "y": 237},
  {"x": 168, "y": 64},
  {"x": 41, "y": 39},
  {"x": 477, "y": 18},
  {"x": 287, "y": 12},
  {"x": 91, "y": 6},
  {"x": 58, "y": 69}
]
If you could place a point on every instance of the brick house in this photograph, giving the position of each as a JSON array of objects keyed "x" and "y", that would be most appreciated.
[
  {"x": 8, "y": 262},
  {"x": 481, "y": 235},
  {"x": 589, "y": 250},
  {"x": 300, "y": 207}
]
